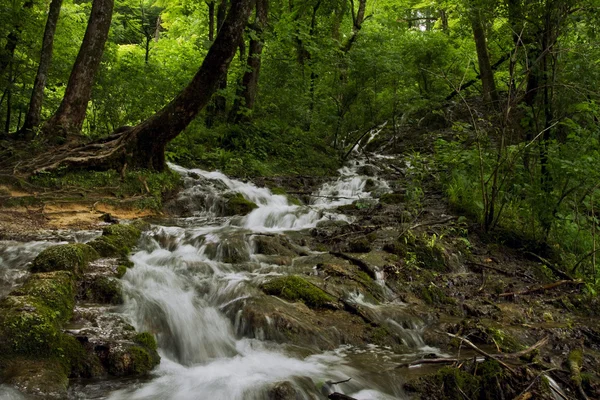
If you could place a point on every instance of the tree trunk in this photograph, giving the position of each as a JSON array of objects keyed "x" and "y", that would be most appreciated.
[
  {"x": 68, "y": 119},
  {"x": 219, "y": 102},
  {"x": 357, "y": 20},
  {"x": 32, "y": 119},
  {"x": 250, "y": 78},
  {"x": 143, "y": 146},
  {"x": 485, "y": 68}
]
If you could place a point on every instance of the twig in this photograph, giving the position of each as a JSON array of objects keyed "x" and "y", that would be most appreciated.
[
  {"x": 499, "y": 270},
  {"x": 521, "y": 353},
  {"x": 483, "y": 353},
  {"x": 555, "y": 269},
  {"x": 336, "y": 383},
  {"x": 428, "y": 361},
  {"x": 542, "y": 288}
]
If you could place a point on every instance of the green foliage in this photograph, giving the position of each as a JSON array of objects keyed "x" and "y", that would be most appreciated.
[{"x": 295, "y": 288}]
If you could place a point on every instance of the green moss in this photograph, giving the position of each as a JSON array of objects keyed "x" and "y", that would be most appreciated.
[
  {"x": 67, "y": 257},
  {"x": 146, "y": 339},
  {"x": 575, "y": 361},
  {"x": 457, "y": 384},
  {"x": 238, "y": 205},
  {"x": 28, "y": 326},
  {"x": 54, "y": 289},
  {"x": 116, "y": 240},
  {"x": 143, "y": 361},
  {"x": 380, "y": 335},
  {"x": 506, "y": 342},
  {"x": 132, "y": 360},
  {"x": 433, "y": 295},
  {"x": 76, "y": 361},
  {"x": 105, "y": 290},
  {"x": 121, "y": 270},
  {"x": 294, "y": 288}
]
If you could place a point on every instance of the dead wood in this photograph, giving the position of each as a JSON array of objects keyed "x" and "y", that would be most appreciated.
[{"x": 542, "y": 288}]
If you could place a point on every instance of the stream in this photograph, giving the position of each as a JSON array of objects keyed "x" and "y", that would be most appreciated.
[{"x": 194, "y": 274}]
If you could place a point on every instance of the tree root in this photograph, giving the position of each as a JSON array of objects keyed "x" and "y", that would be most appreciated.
[{"x": 542, "y": 288}]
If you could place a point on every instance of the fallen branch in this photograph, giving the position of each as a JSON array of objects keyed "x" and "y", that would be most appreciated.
[
  {"x": 499, "y": 270},
  {"x": 554, "y": 268},
  {"x": 483, "y": 353},
  {"x": 542, "y": 288},
  {"x": 521, "y": 353},
  {"x": 429, "y": 361}
]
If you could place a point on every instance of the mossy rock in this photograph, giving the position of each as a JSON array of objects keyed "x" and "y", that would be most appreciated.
[
  {"x": 116, "y": 240},
  {"x": 433, "y": 295},
  {"x": 28, "y": 326},
  {"x": 134, "y": 359},
  {"x": 272, "y": 246},
  {"x": 102, "y": 289},
  {"x": 54, "y": 289},
  {"x": 232, "y": 250},
  {"x": 77, "y": 361},
  {"x": 360, "y": 245},
  {"x": 295, "y": 288},
  {"x": 238, "y": 205},
  {"x": 39, "y": 378},
  {"x": 146, "y": 339},
  {"x": 67, "y": 257},
  {"x": 392, "y": 198}
]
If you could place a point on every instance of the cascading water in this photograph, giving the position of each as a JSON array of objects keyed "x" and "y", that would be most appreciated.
[{"x": 186, "y": 275}]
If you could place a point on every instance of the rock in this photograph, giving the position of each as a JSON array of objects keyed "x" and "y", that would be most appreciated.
[
  {"x": 54, "y": 289},
  {"x": 126, "y": 359},
  {"x": 283, "y": 391},
  {"x": 28, "y": 327},
  {"x": 233, "y": 250},
  {"x": 295, "y": 288},
  {"x": 277, "y": 245},
  {"x": 116, "y": 240},
  {"x": 67, "y": 257},
  {"x": 44, "y": 379},
  {"x": 360, "y": 245},
  {"x": 101, "y": 289},
  {"x": 238, "y": 205}
]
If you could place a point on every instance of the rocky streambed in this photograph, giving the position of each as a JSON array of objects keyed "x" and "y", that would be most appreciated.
[{"x": 350, "y": 287}]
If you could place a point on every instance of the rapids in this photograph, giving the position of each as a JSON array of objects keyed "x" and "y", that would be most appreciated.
[{"x": 191, "y": 278}]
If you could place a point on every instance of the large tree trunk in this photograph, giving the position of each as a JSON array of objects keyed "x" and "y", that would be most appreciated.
[
  {"x": 219, "y": 103},
  {"x": 490, "y": 93},
  {"x": 68, "y": 119},
  {"x": 250, "y": 78},
  {"x": 143, "y": 146},
  {"x": 32, "y": 119}
]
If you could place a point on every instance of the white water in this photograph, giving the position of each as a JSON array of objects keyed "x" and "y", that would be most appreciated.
[{"x": 180, "y": 286}]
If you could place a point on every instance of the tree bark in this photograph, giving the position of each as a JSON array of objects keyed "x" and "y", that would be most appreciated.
[
  {"x": 68, "y": 119},
  {"x": 219, "y": 103},
  {"x": 32, "y": 119},
  {"x": 357, "y": 20},
  {"x": 490, "y": 93},
  {"x": 250, "y": 78}
]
